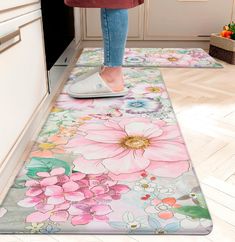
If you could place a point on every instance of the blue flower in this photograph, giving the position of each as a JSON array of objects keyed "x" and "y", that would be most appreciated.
[
  {"x": 171, "y": 227},
  {"x": 49, "y": 229},
  {"x": 141, "y": 106}
]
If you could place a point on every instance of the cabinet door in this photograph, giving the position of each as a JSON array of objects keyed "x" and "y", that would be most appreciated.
[
  {"x": 23, "y": 81},
  {"x": 8, "y": 5},
  {"x": 185, "y": 19},
  {"x": 92, "y": 29}
]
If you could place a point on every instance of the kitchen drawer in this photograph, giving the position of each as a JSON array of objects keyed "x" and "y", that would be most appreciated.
[
  {"x": 23, "y": 79},
  {"x": 12, "y": 4}
]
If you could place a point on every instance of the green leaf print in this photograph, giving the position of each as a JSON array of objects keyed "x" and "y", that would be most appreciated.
[
  {"x": 193, "y": 211},
  {"x": 39, "y": 164}
]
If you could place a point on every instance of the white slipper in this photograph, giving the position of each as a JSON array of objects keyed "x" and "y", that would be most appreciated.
[{"x": 93, "y": 86}]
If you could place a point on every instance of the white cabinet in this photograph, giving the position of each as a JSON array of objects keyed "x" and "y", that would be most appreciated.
[
  {"x": 8, "y": 5},
  {"x": 12, "y": 8},
  {"x": 184, "y": 19},
  {"x": 92, "y": 26},
  {"x": 23, "y": 80},
  {"x": 168, "y": 20}
]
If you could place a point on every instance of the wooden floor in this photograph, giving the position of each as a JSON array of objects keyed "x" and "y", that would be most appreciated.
[{"x": 204, "y": 103}]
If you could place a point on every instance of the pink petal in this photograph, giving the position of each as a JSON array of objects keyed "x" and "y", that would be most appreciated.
[
  {"x": 59, "y": 216},
  {"x": 109, "y": 182},
  {"x": 78, "y": 209},
  {"x": 170, "y": 132},
  {"x": 89, "y": 166},
  {"x": 116, "y": 197},
  {"x": 101, "y": 217},
  {"x": 77, "y": 176},
  {"x": 74, "y": 196},
  {"x": 83, "y": 219},
  {"x": 29, "y": 202},
  {"x": 141, "y": 129},
  {"x": 43, "y": 174},
  {"x": 101, "y": 209},
  {"x": 48, "y": 181},
  {"x": 97, "y": 190},
  {"x": 42, "y": 207},
  {"x": 168, "y": 169},
  {"x": 57, "y": 171},
  {"x": 32, "y": 183},
  {"x": 33, "y": 191},
  {"x": 70, "y": 186},
  {"x": 126, "y": 177},
  {"x": 53, "y": 190},
  {"x": 120, "y": 188},
  {"x": 62, "y": 206},
  {"x": 87, "y": 193},
  {"x": 62, "y": 179},
  {"x": 166, "y": 151},
  {"x": 93, "y": 150},
  {"x": 104, "y": 198},
  {"x": 37, "y": 217},
  {"x": 103, "y": 135},
  {"x": 123, "y": 122},
  {"x": 128, "y": 161},
  {"x": 55, "y": 200}
]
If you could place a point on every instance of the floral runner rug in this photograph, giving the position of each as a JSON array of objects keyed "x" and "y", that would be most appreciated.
[
  {"x": 156, "y": 57},
  {"x": 109, "y": 166}
]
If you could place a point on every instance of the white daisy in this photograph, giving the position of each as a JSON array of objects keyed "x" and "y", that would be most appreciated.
[{"x": 145, "y": 185}]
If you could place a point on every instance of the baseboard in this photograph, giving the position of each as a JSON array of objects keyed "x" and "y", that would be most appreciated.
[
  {"x": 154, "y": 44},
  {"x": 19, "y": 153}
]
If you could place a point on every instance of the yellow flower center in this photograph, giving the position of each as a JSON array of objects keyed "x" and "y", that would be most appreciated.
[
  {"x": 133, "y": 226},
  {"x": 172, "y": 59},
  {"x": 145, "y": 186},
  {"x": 154, "y": 89},
  {"x": 135, "y": 142},
  {"x": 47, "y": 146}
]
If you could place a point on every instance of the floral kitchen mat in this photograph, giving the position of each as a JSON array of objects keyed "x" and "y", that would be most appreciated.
[
  {"x": 156, "y": 57},
  {"x": 109, "y": 166}
]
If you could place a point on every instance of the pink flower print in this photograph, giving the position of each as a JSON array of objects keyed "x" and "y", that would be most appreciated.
[
  {"x": 66, "y": 102},
  {"x": 151, "y": 90},
  {"x": 33, "y": 201},
  {"x": 48, "y": 178},
  {"x": 172, "y": 59},
  {"x": 58, "y": 214},
  {"x": 136, "y": 144},
  {"x": 161, "y": 208},
  {"x": 84, "y": 214},
  {"x": 68, "y": 192},
  {"x": 53, "y": 145}
]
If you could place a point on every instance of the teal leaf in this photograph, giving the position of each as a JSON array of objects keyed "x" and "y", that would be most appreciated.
[
  {"x": 40, "y": 164},
  {"x": 19, "y": 183},
  {"x": 154, "y": 223},
  {"x": 193, "y": 211}
]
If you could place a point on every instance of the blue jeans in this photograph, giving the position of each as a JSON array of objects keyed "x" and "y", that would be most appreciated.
[{"x": 114, "y": 23}]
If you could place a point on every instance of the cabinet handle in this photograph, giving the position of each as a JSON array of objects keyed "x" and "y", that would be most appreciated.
[{"x": 8, "y": 39}]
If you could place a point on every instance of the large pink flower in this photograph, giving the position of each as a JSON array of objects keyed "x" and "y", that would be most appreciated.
[
  {"x": 151, "y": 90},
  {"x": 129, "y": 146}
]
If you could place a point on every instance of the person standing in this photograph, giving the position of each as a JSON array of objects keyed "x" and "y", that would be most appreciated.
[{"x": 109, "y": 80}]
